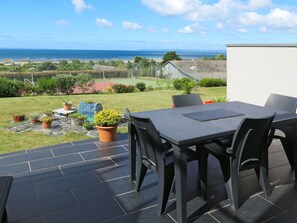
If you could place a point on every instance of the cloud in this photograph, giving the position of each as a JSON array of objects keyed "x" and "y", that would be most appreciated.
[
  {"x": 62, "y": 22},
  {"x": 80, "y": 5},
  {"x": 165, "y": 30},
  {"x": 220, "y": 25},
  {"x": 186, "y": 29},
  {"x": 131, "y": 25},
  {"x": 242, "y": 30},
  {"x": 152, "y": 29},
  {"x": 103, "y": 22}
]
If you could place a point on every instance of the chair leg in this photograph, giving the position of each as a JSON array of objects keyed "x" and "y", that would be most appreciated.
[
  {"x": 287, "y": 145},
  {"x": 231, "y": 182},
  {"x": 4, "y": 217},
  {"x": 165, "y": 182},
  {"x": 203, "y": 161},
  {"x": 263, "y": 179},
  {"x": 140, "y": 176}
]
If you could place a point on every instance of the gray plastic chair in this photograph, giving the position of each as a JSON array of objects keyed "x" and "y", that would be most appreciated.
[
  {"x": 248, "y": 151},
  {"x": 289, "y": 104},
  {"x": 186, "y": 100},
  {"x": 156, "y": 156}
]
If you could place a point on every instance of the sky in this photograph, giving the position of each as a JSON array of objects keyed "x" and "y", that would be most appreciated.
[{"x": 145, "y": 24}]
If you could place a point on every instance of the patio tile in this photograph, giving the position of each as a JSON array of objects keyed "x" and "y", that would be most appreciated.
[
  {"x": 284, "y": 196},
  {"x": 92, "y": 212},
  {"x": 20, "y": 158},
  {"x": 33, "y": 220},
  {"x": 277, "y": 159},
  {"x": 49, "y": 147},
  {"x": 83, "y": 142},
  {"x": 37, "y": 176},
  {"x": 275, "y": 146},
  {"x": 31, "y": 208},
  {"x": 121, "y": 159},
  {"x": 113, "y": 172},
  {"x": 145, "y": 216},
  {"x": 288, "y": 216},
  {"x": 55, "y": 161},
  {"x": 102, "y": 190},
  {"x": 103, "y": 153},
  {"x": 87, "y": 166},
  {"x": 65, "y": 183},
  {"x": 14, "y": 169},
  {"x": 255, "y": 209},
  {"x": 104, "y": 145},
  {"x": 75, "y": 149},
  {"x": 13, "y": 153},
  {"x": 20, "y": 192},
  {"x": 282, "y": 175}
]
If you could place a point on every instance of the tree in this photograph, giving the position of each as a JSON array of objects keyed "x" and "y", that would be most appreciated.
[
  {"x": 137, "y": 59},
  {"x": 64, "y": 65},
  {"x": 220, "y": 57},
  {"x": 171, "y": 55},
  {"x": 46, "y": 66},
  {"x": 84, "y": 81}
]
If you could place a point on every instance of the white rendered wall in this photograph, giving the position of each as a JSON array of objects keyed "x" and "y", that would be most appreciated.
[{"x": 255, "y": 71}]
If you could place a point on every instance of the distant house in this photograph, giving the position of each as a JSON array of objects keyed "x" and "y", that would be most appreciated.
[
  {"x": 7, "y": 62},
  {"x": 193, "y": 69},
  {"x": 103, "y": 67}
]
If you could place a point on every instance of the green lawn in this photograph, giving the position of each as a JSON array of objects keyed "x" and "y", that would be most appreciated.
[
  {"x": 132, "y": 81},
  {"x": 140, "y": 101}
]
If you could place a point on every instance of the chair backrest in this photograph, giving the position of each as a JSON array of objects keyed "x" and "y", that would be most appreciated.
[
  {"x": 186, "y": 100},
  {"x": 250, "y": 141},
  {"x": 282, "y": 102},
  {"x": 149, "y": 141}
]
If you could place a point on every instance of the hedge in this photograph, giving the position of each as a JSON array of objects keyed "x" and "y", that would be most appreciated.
[{"x": 212, "y": 82}]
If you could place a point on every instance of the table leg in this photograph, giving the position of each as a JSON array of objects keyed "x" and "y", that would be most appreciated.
[
  {"x": 132, "y": 151},
  {"x": 180, "y": 168},
  {"x": 294, "y": 148}
]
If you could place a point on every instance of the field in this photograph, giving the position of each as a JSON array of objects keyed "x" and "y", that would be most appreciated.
[
  {"x": 139, "y": 101},
  {"x": 132, "y": 81}
]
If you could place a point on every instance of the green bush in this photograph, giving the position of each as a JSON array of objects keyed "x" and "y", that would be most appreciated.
[
  {"x": 183, "y": 84},
  {"x": 122, "y": 88},
  {"x": 47, "y": 85},
  {"x": 212, "y": 82},
  {"x": 9, "y": 88},
  {"x": 141, "y": 86},
  {"x": 65, "y": 83},
  {"x": 107, "y": 117}
]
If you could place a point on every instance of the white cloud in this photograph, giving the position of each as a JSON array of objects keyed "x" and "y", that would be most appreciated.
[
  {"x": 80, "y": 5},
  {"x": 220, "y": 25},
  {"x": 242, "y": 30},
  {"x": 152, "y": 29},
  {"x": 186, "y": 29},
  {"x": 131, "y": 25},
  {"x": 62, "y": 22},
  {"x": 103, "y": 22},
  {"x": 165, "y": 30}
]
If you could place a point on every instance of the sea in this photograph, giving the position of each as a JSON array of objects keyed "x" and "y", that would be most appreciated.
[{"x": 56, "y": 55}]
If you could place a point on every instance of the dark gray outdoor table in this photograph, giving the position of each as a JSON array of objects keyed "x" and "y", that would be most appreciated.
[{"x": 183, "y": 132}]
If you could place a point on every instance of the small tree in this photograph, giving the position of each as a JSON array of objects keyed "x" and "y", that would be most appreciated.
[
  {"x": 184, "y": 84},
  {"x": 141, "y": 86},
  {"x": 65, "y": 83},
  {"x": 84, "y": 81},
  {"x": 171, "y": 55}
]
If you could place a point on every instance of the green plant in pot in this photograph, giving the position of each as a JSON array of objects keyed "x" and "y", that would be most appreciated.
[
  {"x": 67, "y": 104},
  {"x": 77, "y": 118},
  {"x": 34, "y": 118},
  {"x": 46, "y": 122},
  {"x": 18, "y": 117},
  {"x": 107, "y": 122}
]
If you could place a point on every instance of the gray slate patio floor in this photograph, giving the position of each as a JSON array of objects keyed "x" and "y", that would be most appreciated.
[{"x": 88, "y": 181}]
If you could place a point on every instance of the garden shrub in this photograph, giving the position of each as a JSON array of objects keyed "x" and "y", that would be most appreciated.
[
  {"x": 47, "y": 85},
  {"x": 84, "y": 81},
  {"x": 141, "y": 86},
  {"x": 183, "y": 84},
  {"x": 65, "y": 83},
  {"x": 212, "y": 82},
  {"x": 122, "y": 88},
  {"x": 9, "y": 88}
]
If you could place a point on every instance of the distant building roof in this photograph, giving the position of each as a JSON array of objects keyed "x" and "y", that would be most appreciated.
[{"x": 191, "y": 68}]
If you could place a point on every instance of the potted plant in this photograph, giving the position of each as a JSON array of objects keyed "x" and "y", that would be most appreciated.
[
  {"x": 88, "y": 125},
  {"x": 67, "y": 104},
  {"x": 48, "y": 113},
  {"x": 18, "y": 117},
  {"x": 77, "y": 118},
  {"x": 107, "y": 122},
  {"x": 34, "y": 118},
  {"x": 47, "y": 121}
]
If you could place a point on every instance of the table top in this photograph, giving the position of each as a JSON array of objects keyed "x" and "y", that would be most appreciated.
[{"x": 175, "y": 127}]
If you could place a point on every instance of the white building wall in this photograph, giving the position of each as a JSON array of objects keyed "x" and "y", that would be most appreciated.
[{"x": 255, "y": 71}]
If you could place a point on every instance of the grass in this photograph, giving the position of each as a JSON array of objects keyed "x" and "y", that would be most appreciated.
[
  {"x": 132, "y": 81},
  {"x": 139, "y": 101}
]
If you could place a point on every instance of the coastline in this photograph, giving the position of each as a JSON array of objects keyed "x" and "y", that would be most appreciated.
[{"x": 42, "y": 55}]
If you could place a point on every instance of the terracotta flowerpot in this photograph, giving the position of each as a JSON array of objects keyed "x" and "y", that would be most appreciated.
[
  {"x": 209, "y": 102},
  {"x": 19, "y": 118},
  {"x": 107, "y": 134},
  {"x": 34, "y": 121},
  {"x": 67, "y": 107},
  {"x": 47, "y": 125}
]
